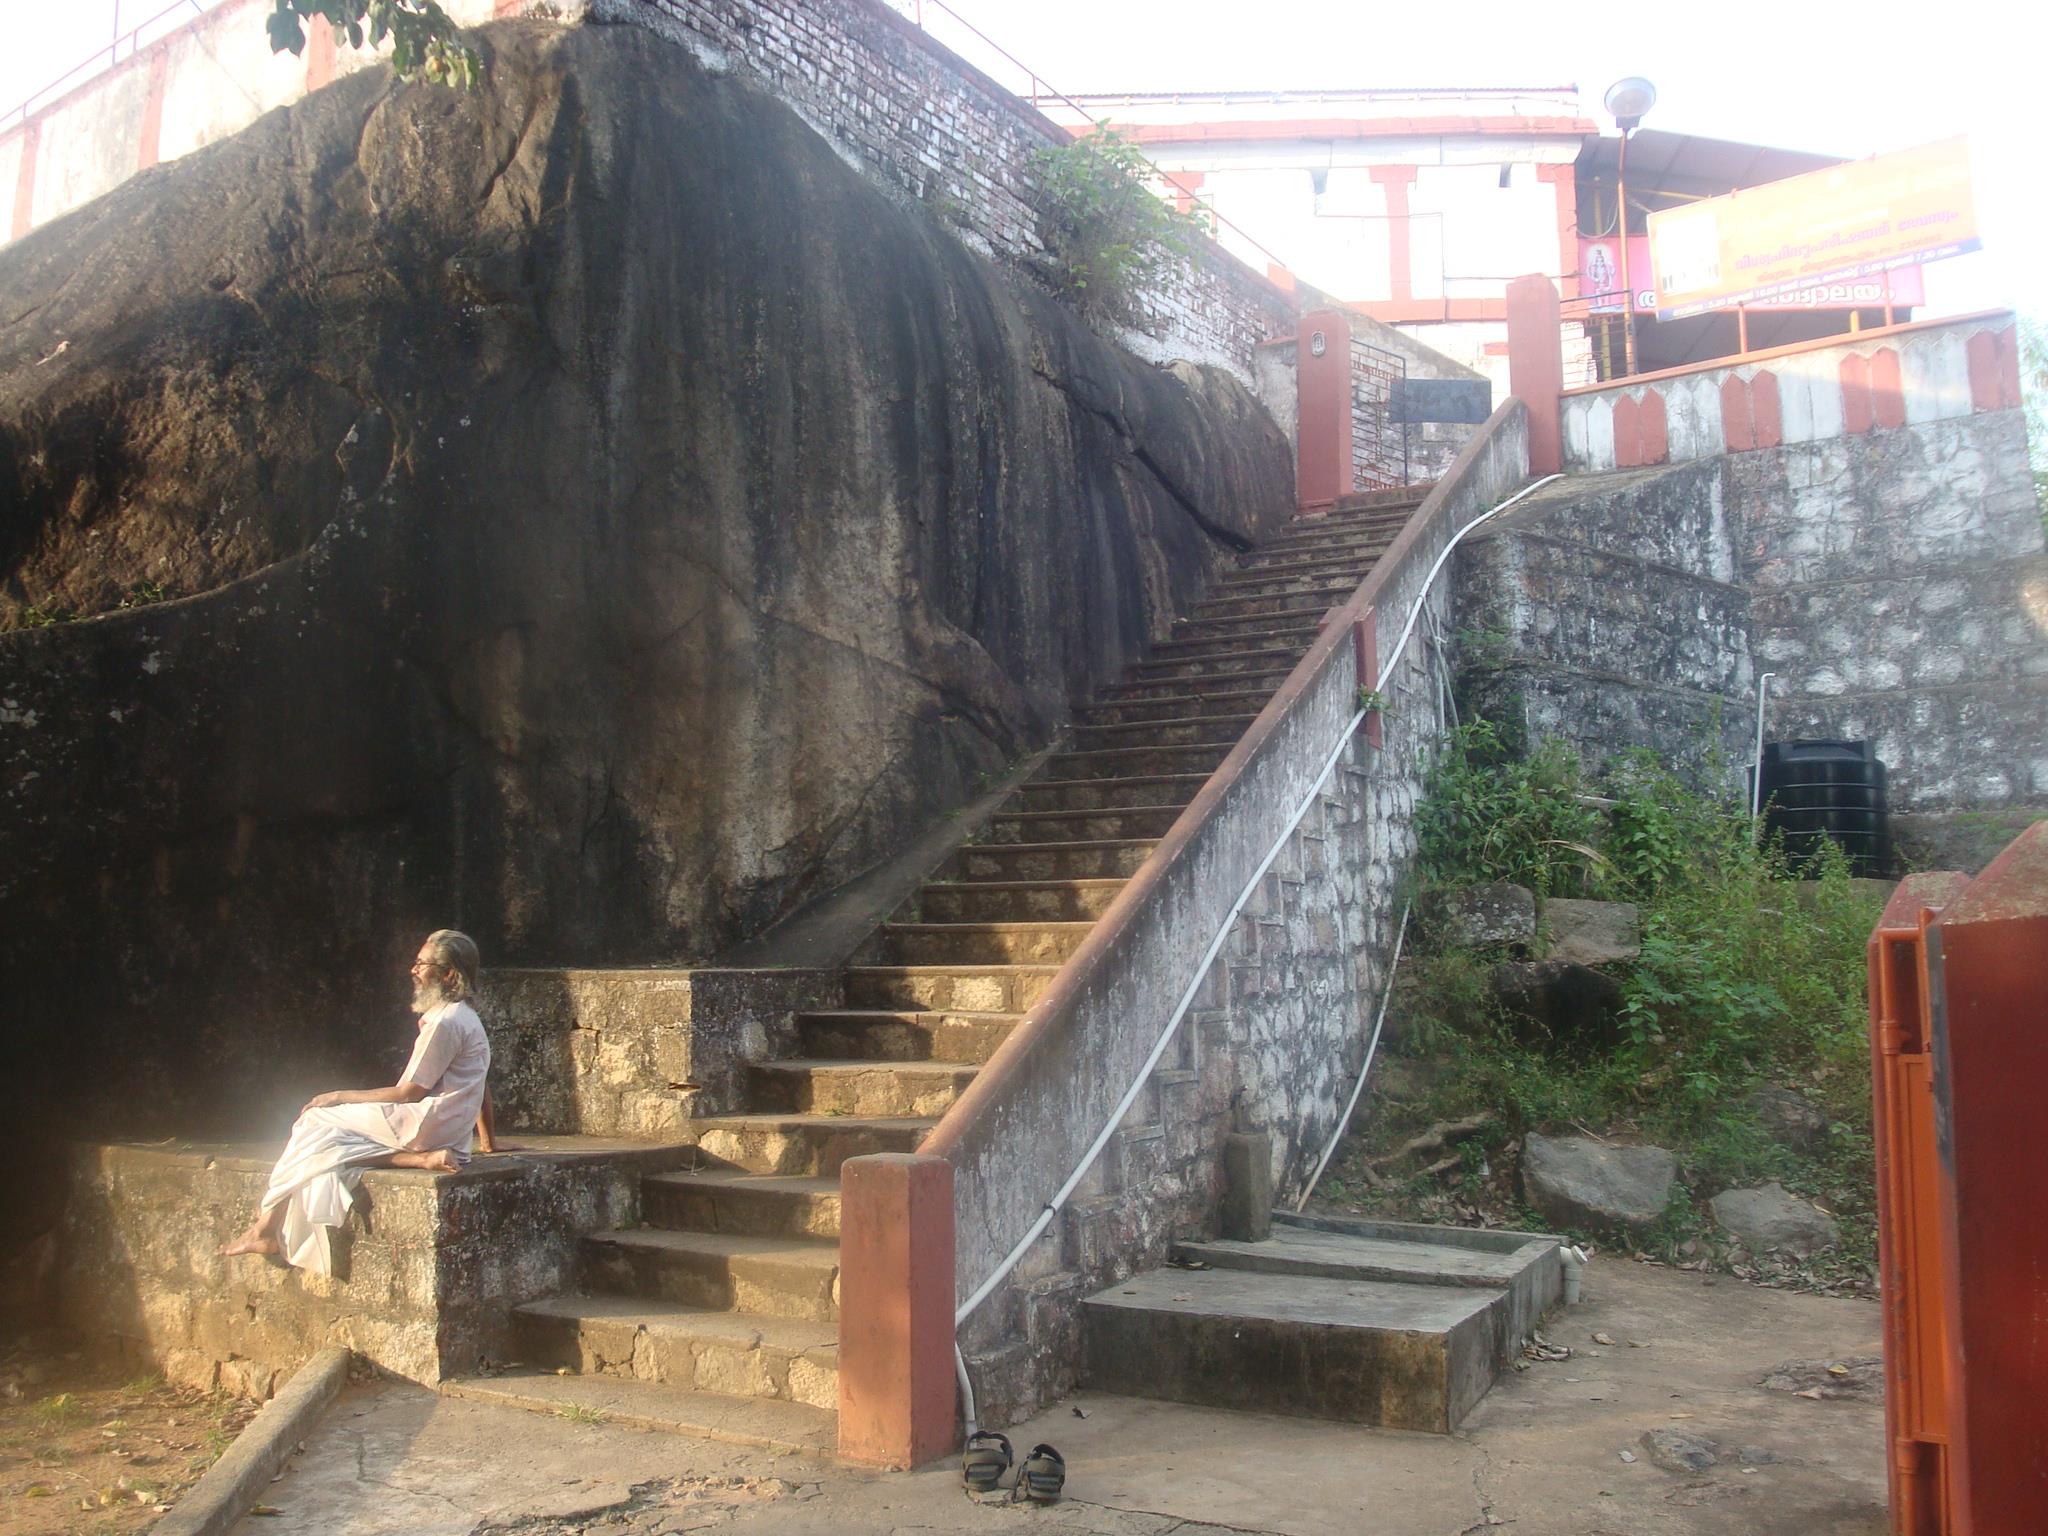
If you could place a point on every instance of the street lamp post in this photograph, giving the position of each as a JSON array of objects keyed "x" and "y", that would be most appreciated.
[{"x": 1627, "y": 101}]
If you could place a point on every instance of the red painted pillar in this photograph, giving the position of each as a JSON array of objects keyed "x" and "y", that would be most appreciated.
[
  {"x": 1322, "y": 380},
  {"x": 1536, "y": 367},
  {"x": 1397, "y": 179},
  {"x": 320, "y": 60},
  {"x": 898, "y": 1398},
  {"x": 25, "y": 181},
  {"x": 1988, "y": 972},
  {"x": 149, "y": 148},
  {"x": 1564, "y": 188}
]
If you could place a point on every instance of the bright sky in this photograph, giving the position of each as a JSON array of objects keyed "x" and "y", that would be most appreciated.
[{"x": 1842, "y": 79}]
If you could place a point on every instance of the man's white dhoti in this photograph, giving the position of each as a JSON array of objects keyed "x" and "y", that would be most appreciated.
[{"x": 316, "y": 1177}]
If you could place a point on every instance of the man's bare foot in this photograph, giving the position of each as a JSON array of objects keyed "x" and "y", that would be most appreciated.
[
  {"x": 255, "y": 1240},
  {"x": 438, "y": 1161}
]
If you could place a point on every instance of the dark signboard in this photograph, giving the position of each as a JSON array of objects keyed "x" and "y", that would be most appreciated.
[{"x": 1419, "y": 400}]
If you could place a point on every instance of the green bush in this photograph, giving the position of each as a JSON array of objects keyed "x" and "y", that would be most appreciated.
[
  {"x": 1746, "y": 975},
  {"x": 1109, "y": 235}
]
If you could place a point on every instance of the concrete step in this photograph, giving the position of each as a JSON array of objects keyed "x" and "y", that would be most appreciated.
[
  {"x": 1243, "y": 703},
  {"x": 903, "y": 1035},
  {"x": 1298, "y": 631},
  {"x": 982, "y": 943},
  {"x": 1365, "y": 1352},
  {"x": 1288, "y": 618},
  {"x": 1252, "y": 579},
  {"x": 1184, "y": 731},
  {"x": 748, "y": 1204},
  {"x": 983, "y": 901},
  {"x": 1365, "y": 545},
  {"x": 786, "y": 1427},
  {"x": 1319, "y": 592},
  {"x": 1098, "y": 794},
  {"x": 1108, "y": 858},
  {"x": 1263, "y": 679},
  {"x": 1333, "y": 583},
  {"x": 876, "y": 1090},
  {"x": 1352, "y": 1256},
  {"x": 811, "y": 1146},
  {"x": 1139, "y": 824},
  {"x": 1275, "y": 659},
  {"x": 1141, "y": 761},
  {"x": 768, "y": 1276},
  {"x": 948, "y": 988},
  {"x": 730, "y": 1353}
]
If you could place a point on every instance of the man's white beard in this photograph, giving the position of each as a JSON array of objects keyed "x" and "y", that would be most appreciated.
[{"x": 427, "y": 994}]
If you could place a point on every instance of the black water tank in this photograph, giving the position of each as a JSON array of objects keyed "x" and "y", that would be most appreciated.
[{"x": 1828, "y": 789}]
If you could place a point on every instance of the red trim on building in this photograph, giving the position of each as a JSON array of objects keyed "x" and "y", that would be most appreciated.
[
  {"x": 1397, "y": 179},
  {"x": 1280, "y": 278},
  {"x": 1628, "y": 434},
  {"x": 25, "y": 180},
  {"x": 1185, "y": 185},
  {"x": 1424, "y": 311},
  {"x": 320, "y": 66},
  {"x": 1357, "y": 128},
  {"x": 1655, "y": 429},
  {"x": 1887, "y": 391},
  {"x": 1564, "y": 186},
  {"x": 1764, "y": 410},
  {"x": 1857, "y": 411},
  {"x": 150, "y": 136},
  {"x": 1738, "y": 422},
  {"x": 1982, "y": 350}
]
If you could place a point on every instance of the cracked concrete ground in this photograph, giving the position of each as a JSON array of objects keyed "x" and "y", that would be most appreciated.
[{"x": 1543, "y": 1455}]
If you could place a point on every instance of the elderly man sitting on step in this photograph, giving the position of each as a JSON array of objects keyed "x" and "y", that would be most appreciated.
[{"x": 423, "y": 1121}]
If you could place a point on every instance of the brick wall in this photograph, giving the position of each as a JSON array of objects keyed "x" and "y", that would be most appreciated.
[{"x": 925, "y": 124}]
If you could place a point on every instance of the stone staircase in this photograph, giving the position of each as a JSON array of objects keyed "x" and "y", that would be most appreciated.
[{"x": 717, "y": 1315}]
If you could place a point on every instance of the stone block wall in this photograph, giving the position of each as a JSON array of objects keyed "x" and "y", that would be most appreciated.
[
  {"x": 636, "y": 1051},
  {"x": 1894, "y": 582},
  {"x": 427, "y": 1271},
  {"x": 915, "y": 117},
  {"x": 1275, "y": 1035}
]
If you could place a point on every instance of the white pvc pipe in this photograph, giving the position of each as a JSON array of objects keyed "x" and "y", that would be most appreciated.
[
  {"x": 1059, "y": 1199},
  {"x": 1365, "y": 1067},
  {"x": 1756, "y": 763}
]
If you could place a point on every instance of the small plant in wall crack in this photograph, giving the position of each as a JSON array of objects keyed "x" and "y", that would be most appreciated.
[
  {"x": 1371, "y": 698},
  {"x": 1108, "y": 234}
]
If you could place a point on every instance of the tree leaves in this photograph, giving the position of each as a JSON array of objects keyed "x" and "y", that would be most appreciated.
[{"x": 424, "y": 40}]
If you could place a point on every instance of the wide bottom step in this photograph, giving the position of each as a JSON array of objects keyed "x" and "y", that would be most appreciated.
[
  {"x": 1365, "y": 1352},
  {"x": 756, "y": 1421}
]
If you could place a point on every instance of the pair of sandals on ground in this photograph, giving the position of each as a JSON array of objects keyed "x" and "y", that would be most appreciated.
[{"x": 1040, "y": 1478}]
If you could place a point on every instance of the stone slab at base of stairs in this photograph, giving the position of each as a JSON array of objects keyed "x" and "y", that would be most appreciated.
[{"x": 1384, "y": 1323}]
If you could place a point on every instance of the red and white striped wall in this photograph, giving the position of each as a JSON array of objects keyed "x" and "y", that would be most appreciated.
[{"x": 1897, "y": 376}]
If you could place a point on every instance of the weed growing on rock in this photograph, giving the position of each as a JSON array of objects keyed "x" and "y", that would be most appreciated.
[{"x": 1109, "y": 235}]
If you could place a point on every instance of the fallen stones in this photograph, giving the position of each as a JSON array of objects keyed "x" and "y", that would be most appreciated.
[
  {"x": 1858, "y": 1378},
  {"x": 1769, "y": 1218},
  {"x": 1788, "y": 1119},
  {"x": 1678, "y": 1450},
  {"x": 1592, "y": 932},
  {"x": 1578, "y": 1182},
  {"x": 1482, "y": 915},
  {"x": 1557, "y": 999}
]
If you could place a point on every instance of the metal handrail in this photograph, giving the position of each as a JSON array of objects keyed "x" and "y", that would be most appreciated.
[
  {"x": 1053, "y": 1206},
  {"x": 1055, "y": 94},
  {"x": 25, "y": 108}
]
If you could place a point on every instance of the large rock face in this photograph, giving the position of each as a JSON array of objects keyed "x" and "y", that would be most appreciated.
[{"x": 594, "y": 517}]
